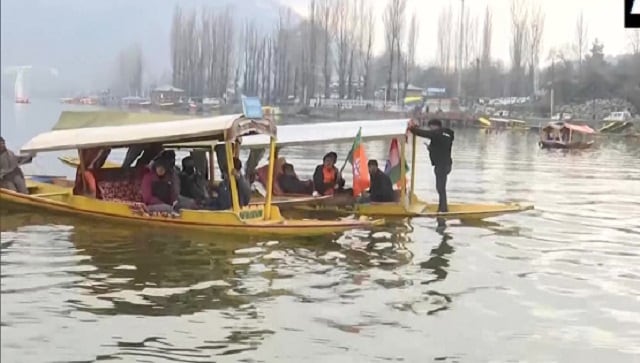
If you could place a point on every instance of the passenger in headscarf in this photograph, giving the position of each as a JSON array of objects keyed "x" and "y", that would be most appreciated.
[{"x": 11, "y": 176}]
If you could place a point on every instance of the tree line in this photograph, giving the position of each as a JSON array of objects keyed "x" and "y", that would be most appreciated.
[{"x": 330, "y": 52}]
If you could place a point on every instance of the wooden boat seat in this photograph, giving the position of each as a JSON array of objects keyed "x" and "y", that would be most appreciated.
[{"x": 119, "y": 184}]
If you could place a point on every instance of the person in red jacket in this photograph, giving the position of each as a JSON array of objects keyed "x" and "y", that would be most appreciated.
[{"x": 158, "y": 192}]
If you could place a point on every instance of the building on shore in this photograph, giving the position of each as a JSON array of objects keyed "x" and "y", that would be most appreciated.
[
  {"x": 412, "y": 91},
  {"x": 167, "y": 94}
]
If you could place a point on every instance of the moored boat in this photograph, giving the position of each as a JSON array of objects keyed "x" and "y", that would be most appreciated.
[
  {"x": 114, "y": 193},
  {"x": 498, "y": 124},
  {"x": 408, "y": 203},
  {"x": 565, "y": 135}
]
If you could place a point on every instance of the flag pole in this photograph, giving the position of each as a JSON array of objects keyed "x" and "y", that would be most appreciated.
[{"x": 350, "y": 155}]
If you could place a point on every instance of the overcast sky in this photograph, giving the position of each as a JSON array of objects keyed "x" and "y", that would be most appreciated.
[{"x": 604, "y": 17}]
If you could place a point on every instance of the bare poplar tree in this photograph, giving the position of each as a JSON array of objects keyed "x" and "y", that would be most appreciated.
[
  {"x": 282, "y": 66},
  {"x": 226, "y": 30},
  {"x": 519, "y": 37},
  {"x": 536, "y": 30},
  {"x": 471, "y": 46},
  {"x": 341, "y": 31},
  {"x": 487, "y": 34},
  {"x": 130, "y": 71},
  {"x": 444, "y": 39},
  {"x": 355, "y": 44},
  {"x": 393, "y": 20},
  {"x": 326, "y": 19},
  {"x": 390, "y": 44},
  {"x": 412, "y": 39},
  {"x": 582, "y": 40},
  {"x": 369, "y": 32},
  {"x": 313, "y": 35},
  {"x": 176, "y": 46}
]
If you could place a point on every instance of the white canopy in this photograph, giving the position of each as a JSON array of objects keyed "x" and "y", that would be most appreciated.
[
  {"x": 326, "y": 132},
  {"x": 180, "y": 130}
]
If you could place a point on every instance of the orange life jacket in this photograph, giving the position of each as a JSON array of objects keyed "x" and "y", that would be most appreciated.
[{"x": 329, "y": 176}]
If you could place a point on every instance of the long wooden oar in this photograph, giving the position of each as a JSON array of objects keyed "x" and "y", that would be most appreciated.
[{"x": 53, "y": 194}]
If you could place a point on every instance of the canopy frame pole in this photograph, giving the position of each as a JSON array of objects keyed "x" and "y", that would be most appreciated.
[
  {"x": 570, "y": 136},
  {"x": 212, "y": 165},
  {"x": 82, "y": 168},
  {"x": 413, "y": 165},
  {"x": 272, "y": 156},
  {"x": 231, "y": 177},
  {"x": 403, "y": 176}
]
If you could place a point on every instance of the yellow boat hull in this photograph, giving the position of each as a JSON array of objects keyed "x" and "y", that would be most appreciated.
[
  {"x": 417, "y": 208},
  {"x": 248, "y": 221}
]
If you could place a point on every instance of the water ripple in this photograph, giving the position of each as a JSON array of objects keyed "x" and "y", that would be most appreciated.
[{"x": 560, "y": 283}]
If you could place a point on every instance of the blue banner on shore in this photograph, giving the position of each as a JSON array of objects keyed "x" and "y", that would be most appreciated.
[{"x": 251, "y": 107}]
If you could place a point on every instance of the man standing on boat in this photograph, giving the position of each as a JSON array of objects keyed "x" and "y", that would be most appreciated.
[{"x": 440, "y": 155}]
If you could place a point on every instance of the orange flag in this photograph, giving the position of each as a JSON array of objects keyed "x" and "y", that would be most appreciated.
[{"x": 359, "y": 163}]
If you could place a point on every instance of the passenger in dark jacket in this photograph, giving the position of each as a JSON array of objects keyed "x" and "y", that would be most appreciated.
[
  {"x": 440, "y": 155},
  {"x": 381, "y": 188},
  {"x": 158, "y": 192},
  {"x": 192, "y": 183},
  {"x": 290, "y": 184},
  {"x": 242, "y": 184},
  {"x": 327, "y": 178}
]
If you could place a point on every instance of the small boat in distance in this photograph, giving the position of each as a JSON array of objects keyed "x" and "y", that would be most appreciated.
[
  {"x": 565, "y": 135},
  {"x": 499, "y": 124},
  {"x": 21, "y": 97}
]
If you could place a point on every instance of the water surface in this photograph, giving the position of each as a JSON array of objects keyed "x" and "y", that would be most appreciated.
[{"x": 558, "y": 284}]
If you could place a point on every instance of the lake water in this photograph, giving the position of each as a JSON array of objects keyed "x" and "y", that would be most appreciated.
[{"x": 557, "y": 284}]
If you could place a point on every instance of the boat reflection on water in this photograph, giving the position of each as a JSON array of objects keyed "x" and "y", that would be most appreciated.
[
  {"x": 236, "y": 286},
  {"x": 159, "y": 273}
]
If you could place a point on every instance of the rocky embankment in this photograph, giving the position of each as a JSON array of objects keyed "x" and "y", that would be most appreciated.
[{"x": 601, "y": 108}]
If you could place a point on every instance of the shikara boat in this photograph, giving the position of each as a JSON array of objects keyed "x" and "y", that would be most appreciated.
[
  {"x": 408, "y": 204},
  {"x": 114, "y": 193},
  {"x": 565, "y": 135},
  {"x": 495, "y": 123},
  {"x": 336, "y": 132},
  {"x": 615, "y": 127}
]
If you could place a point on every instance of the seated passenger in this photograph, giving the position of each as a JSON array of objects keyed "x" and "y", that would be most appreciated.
[
  {"x": 262, "y": 175},
  {"x": 11, "y": 176},
  {"x": 327, "y": 178},
  {"x": 192, "y": 183},
  {"x": 290, "y": 184},
  {"x": 223, "y": 201},
  {"x": 158, "y": 192},
  {"x": 244, "y": 188},
  {"x": 381, "y": 188},
  {"x": 168, "y": 157}
]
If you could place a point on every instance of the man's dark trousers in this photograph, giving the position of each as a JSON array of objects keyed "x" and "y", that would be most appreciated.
[{"x": 442, "y": 171}]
